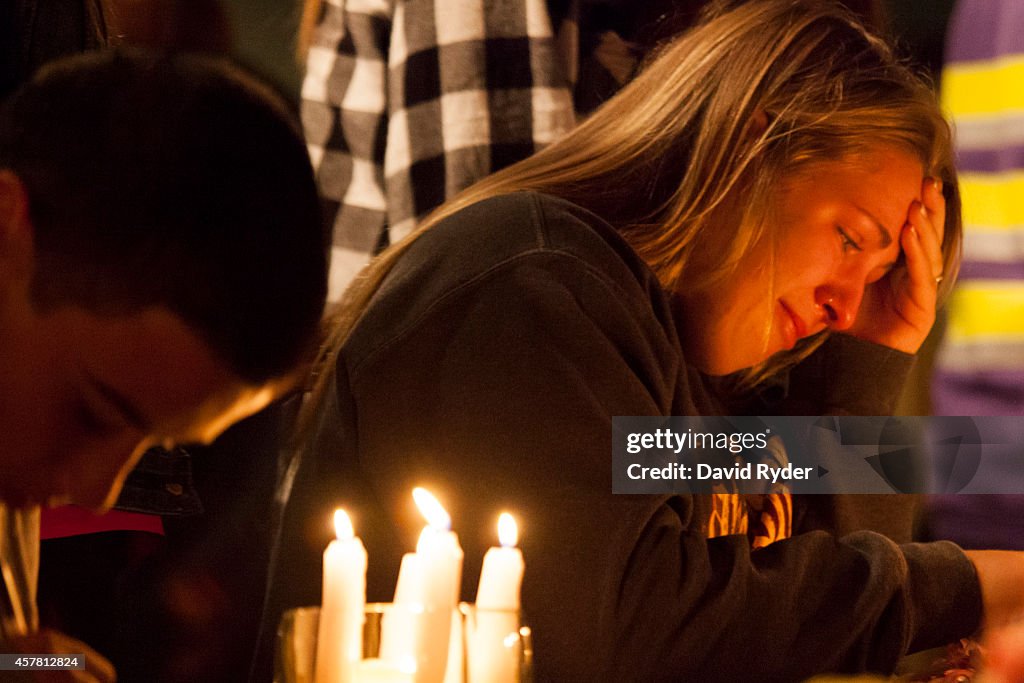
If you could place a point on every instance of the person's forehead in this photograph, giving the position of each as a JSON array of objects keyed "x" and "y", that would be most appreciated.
[
  {"x": 880, "y": 182},
  {"x": 147, "y": 341},
  {"x": 159, "y": 368},
  {"x": 873, "y": 160}
]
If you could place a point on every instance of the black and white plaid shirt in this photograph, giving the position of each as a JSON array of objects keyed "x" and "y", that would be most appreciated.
[{"x": 406, "y": 102}]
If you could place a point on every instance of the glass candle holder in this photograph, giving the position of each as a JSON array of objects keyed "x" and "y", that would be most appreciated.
[{"x": 401, "y": 644}]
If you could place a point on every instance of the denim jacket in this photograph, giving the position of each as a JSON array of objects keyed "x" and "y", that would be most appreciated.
[{"x": 161, "y": 484}]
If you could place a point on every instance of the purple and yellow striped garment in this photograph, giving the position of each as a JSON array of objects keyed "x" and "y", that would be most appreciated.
[{"x": 980, "y": 366}]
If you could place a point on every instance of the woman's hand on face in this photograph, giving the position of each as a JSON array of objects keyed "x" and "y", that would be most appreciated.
[{"x": 898, "y": 310}]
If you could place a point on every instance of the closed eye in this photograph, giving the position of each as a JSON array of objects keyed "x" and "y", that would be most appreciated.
[
  {"x": 848, "y": 242},
  {"x": 97, "y": 421}
]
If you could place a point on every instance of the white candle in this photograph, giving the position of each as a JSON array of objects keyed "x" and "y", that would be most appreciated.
[
  {"x": 399, "y": 623},
  {"x": 440, "y": 559},
  {"x": 340, "y": 634},
  {"x": 493, "y": 639},
  {"x": 382, "y": 671},
  {"x": 502, "y": 574},
  {"x": 454, "y": 668}
]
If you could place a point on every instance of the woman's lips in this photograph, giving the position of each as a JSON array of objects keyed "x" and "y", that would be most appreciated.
[{"x": 795, "y": 330}]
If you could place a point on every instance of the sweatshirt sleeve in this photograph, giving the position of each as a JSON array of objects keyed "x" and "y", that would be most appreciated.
[
  {"x": 499, "y": 395},
  {"x": 844, "y": 376},
  {"x": 806, "y": 605}
]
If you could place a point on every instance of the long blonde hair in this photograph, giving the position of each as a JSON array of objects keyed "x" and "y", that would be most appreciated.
[{"x": 702, "y": 139}]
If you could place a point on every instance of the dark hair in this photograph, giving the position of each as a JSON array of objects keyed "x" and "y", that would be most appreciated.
[
  {"x": 33, "y": 32},
  {"x": 173, "y": 180}
]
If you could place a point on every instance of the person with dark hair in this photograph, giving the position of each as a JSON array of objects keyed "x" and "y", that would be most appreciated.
[
  {"x": 169, "y": 191},
  {"x": 162, "y": 265}
]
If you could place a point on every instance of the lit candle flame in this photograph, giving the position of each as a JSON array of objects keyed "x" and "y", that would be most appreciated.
[
  {"x": 435, "y": 514},
  {"x": 343, "y": 525},
  {"x": 508, "y": 532}
]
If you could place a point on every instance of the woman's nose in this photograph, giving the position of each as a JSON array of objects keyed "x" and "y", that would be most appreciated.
[{"x": 840, "y": 304}]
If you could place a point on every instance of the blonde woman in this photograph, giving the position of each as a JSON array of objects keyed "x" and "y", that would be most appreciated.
[{"x": 772, "y": 199}]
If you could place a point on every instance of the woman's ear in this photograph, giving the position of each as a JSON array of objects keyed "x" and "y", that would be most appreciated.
[{"x": 16, "y": 233}]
